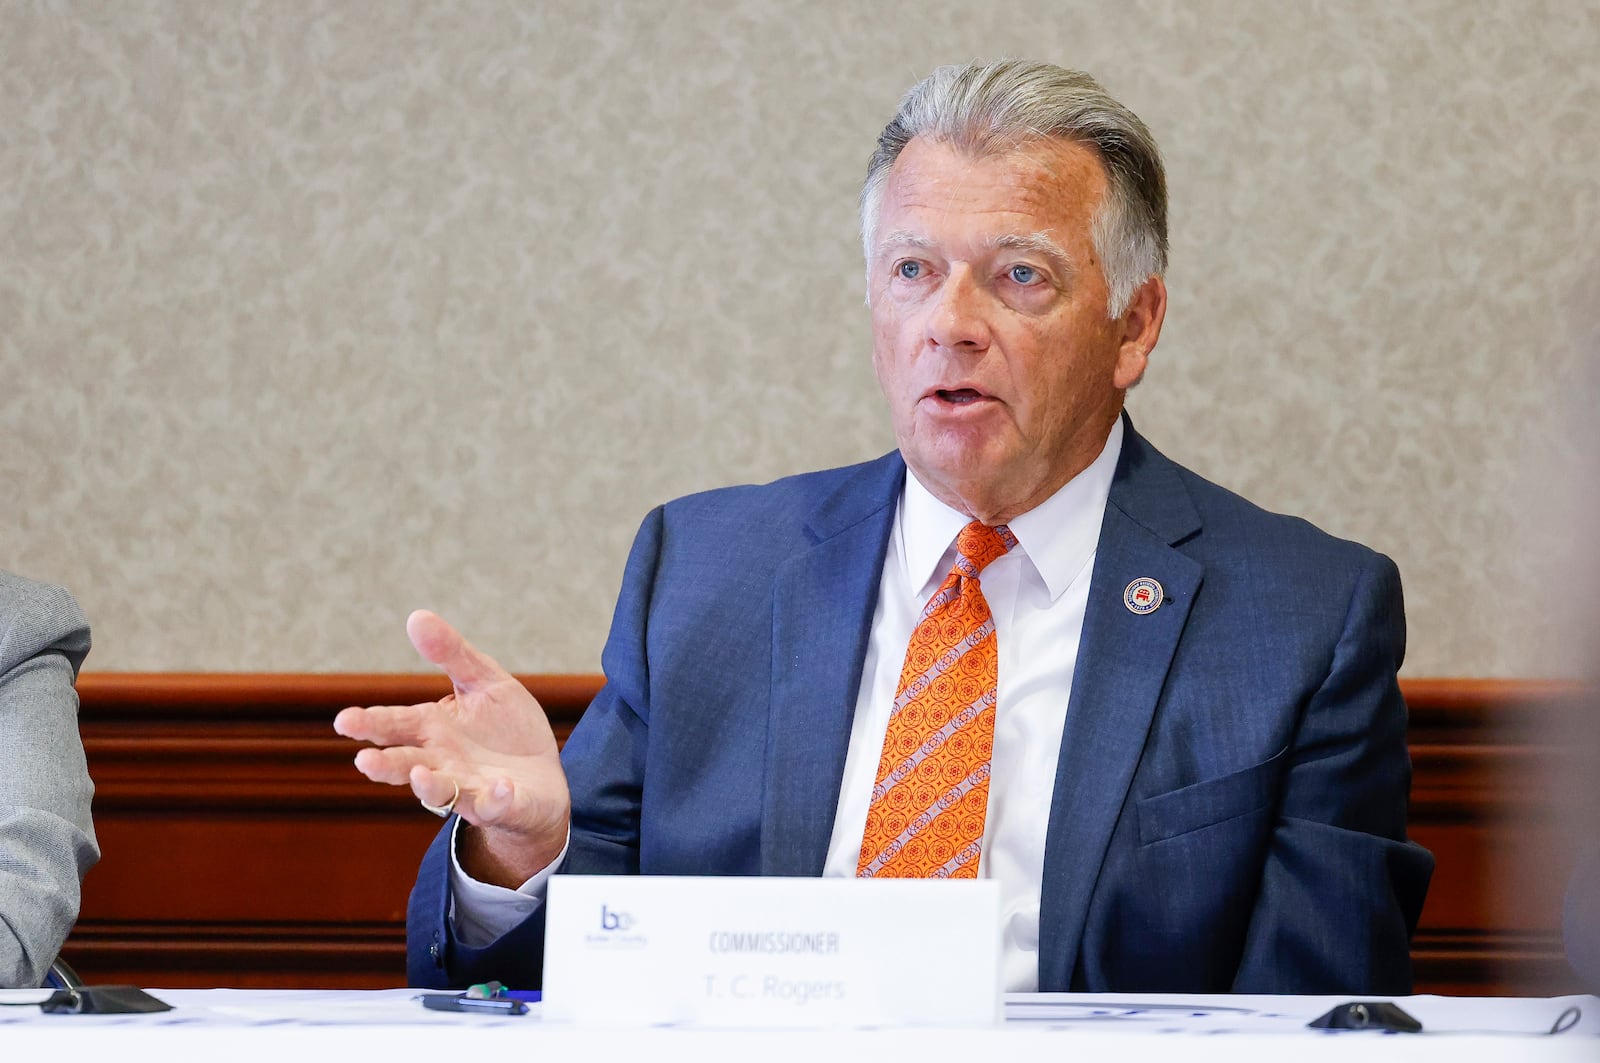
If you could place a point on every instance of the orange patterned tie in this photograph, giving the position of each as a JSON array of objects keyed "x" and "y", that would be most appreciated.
[{"x": 932, "y": 791}]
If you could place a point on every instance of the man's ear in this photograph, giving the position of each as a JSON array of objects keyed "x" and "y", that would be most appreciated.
[{"x": 1141, "y": 328}]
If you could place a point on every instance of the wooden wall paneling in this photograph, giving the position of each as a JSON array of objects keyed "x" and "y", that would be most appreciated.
[
  {"x": 1496, "y": 776},
  {"x": 242, "y": 848}
]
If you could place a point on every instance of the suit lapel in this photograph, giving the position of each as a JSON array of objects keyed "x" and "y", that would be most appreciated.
[
  {"x": 823, "y": 600},
  {"x": 1122, "y": 666}
]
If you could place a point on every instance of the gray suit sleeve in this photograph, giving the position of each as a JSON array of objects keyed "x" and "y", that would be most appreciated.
[{"x": 47, "y": 840}]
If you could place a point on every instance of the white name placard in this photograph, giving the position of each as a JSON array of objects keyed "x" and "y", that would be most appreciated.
[{"x": 630, "y": 950}]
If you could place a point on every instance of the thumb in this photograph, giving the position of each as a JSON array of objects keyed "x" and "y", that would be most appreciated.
[{"x": 441, "y": 644}]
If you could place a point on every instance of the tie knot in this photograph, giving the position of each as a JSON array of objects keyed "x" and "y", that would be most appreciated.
[{"x": 980, "y": 544}]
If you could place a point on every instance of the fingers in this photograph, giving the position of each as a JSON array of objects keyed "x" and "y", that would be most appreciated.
[
  {"x": 434, "y": 788},
  {"x": 490, "y": 739},
  {"x": 442, "y": 645},
  {"x": 387, "y": 725},
  {"x": 403, "y": 766},
  {"x": 485, "y": 802},
  {"x": 393, "y": 766}
]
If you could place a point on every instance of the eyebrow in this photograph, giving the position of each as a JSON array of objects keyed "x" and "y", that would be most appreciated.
[
  {"x": 1039, "y": 243},
  {"x": 904, "y": 238}
]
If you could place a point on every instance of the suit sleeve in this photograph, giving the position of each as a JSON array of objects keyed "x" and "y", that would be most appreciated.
[
  {"x": 1342, "y": 888},
  {"x": 604, "y": 761},
  {"x": 47, "y": 841}
]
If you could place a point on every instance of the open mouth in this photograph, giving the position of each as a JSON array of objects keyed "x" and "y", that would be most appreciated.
[{"x": 959, "y": 396}]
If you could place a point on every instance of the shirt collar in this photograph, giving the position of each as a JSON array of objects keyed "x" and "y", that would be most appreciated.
[{"x": 1057, "y": 536}]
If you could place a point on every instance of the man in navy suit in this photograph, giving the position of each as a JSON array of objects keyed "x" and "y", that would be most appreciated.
[{"x": 1199, "y": 772}]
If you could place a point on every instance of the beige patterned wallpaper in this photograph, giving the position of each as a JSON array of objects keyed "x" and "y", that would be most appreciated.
[{"x": 315, "y": 312}]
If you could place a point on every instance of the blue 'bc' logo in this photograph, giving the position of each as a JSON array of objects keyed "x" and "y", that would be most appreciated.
[{"x": 610, "y": 920}]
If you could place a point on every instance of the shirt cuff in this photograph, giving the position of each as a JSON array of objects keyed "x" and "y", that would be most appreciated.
[{"x": 480, "y": 912}]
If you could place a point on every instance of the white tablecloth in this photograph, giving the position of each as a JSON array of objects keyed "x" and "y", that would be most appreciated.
[{"x": 309, "y": 1026}]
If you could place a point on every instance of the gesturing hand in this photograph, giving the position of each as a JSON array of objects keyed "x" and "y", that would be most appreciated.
[{"x": 489, "y": 737}]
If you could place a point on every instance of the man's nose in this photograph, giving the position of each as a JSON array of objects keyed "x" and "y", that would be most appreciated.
[{"x": 958, "y": 317}]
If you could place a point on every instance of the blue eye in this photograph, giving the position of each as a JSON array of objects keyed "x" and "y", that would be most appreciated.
[
  {"x": 1023, "y": 274},
  {"x": 908, "y": 270}
]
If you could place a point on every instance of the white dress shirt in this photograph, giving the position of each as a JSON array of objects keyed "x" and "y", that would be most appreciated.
[{"x": 1038, "y": 593}]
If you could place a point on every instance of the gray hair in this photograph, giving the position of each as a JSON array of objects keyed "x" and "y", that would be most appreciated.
[{"x": 991, "y": 108}]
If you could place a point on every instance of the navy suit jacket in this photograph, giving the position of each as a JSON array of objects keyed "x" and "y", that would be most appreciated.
[{"x": 1230, "y": 800}]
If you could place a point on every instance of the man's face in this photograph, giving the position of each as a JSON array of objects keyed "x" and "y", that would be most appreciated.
[{"x": 990, "y": 336}]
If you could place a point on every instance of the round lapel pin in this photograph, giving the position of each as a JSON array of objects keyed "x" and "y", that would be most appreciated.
[{"x": 1144, "y": 595}]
